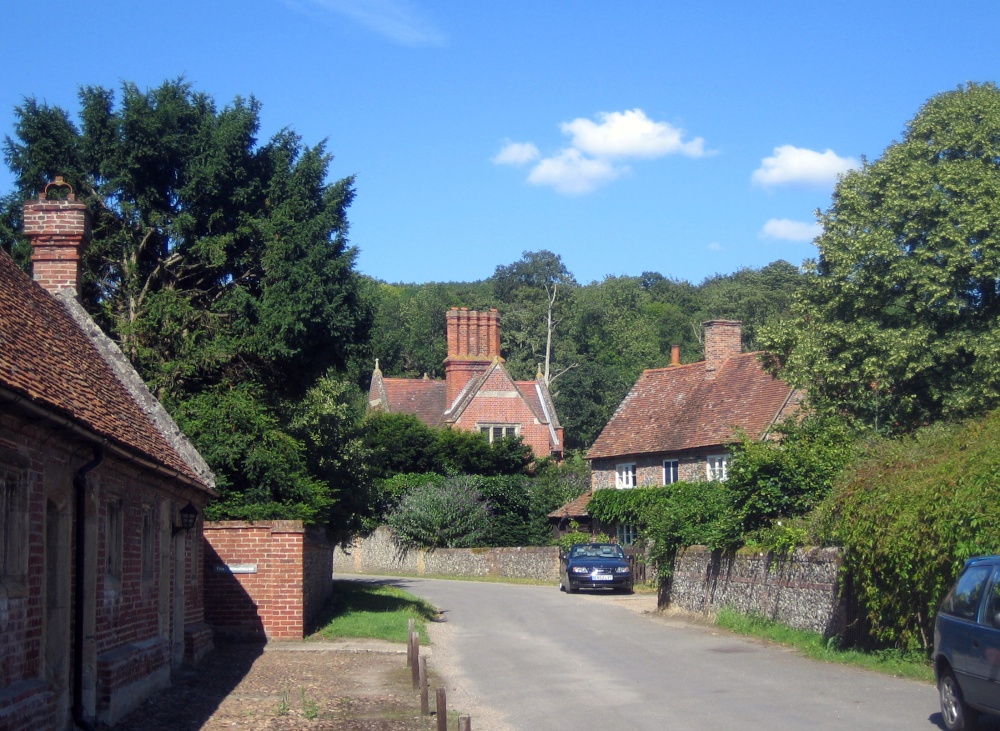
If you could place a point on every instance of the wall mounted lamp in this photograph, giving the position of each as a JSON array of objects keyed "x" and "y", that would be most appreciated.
[{"x": 189, "y": 514}]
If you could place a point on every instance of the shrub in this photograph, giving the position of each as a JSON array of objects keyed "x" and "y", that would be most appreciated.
[
  {"x": 909, "y": 515},
  {"x": 450, "y": 514}
]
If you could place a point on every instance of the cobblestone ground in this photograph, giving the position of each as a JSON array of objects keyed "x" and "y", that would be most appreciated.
[{"x": 289, "y": 686}]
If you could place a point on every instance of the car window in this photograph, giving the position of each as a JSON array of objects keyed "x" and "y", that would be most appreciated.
[
  {"x": 993, "y": 604},
  {"x": 963, "y": 599}
]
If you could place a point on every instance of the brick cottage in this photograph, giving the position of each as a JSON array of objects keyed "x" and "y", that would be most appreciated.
[{"x": 101, "y": 498}]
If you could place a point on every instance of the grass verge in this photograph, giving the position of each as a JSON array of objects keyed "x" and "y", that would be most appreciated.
[
  {"x": 374, "y": 610},
  {"x": 812, "y": 644}
]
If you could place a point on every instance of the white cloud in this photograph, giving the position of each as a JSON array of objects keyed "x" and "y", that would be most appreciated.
[
  {"x": 598, "y": 150},
  {"x": 630, "y": 134},
  {"x": 397, "y": 20},
  {"x": 792, "y": 165},
  {"x": 571, "y": 173},
  {"x": 517, "y": 153},
  {"x": 714, "y": 246},
  {"x": 789, "y": 230}
]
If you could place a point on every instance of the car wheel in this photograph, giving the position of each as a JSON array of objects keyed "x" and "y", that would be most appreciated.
[
  {"x": 955, "y": 713},
  {"x": 570, "y": 589}
]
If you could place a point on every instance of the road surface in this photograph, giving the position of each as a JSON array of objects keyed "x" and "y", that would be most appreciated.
[{"x": 532, "y": 658}]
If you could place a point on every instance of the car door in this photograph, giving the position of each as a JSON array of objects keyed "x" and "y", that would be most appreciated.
[
  {"x": 983, "y": 660},
  {"x": 960, "y": 628}
]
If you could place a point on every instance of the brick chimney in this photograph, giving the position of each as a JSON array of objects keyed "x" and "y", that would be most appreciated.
[
  {"x": 58, "y": 228},
  {"x": 473, "y": 343},
  {"x": 723, "y": 340}
]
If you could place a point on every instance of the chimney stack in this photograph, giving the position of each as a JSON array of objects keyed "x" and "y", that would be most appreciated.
[
  {"x": 675, "y": 355},
  {"x": 58, "y": 229},
  {"x": 723, "y": 340},
  {"x": 473, "y": 342}
]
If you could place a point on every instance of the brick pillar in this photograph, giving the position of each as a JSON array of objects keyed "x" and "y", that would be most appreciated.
[
  {"x": 58, "y": 229},
  {"x": 723, "y": 340}
]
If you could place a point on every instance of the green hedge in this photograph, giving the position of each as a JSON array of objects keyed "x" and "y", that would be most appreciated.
[{"x": 909, "y": 515}]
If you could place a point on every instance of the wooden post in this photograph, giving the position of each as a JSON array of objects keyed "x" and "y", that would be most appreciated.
[
  {"x": 442, "y": 709},
  {"x": 415, "y": 668},
  {"x": 465, "y": 723},
  {"x": 409, "y": 644},
  {"x": 425, "y": 706}
]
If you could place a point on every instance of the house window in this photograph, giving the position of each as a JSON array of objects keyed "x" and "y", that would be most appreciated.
[
  {"x": 113, "y": 525},
  {"x": 627, "y": 535},
  {"x": 14, "y": 541},
  {"x": 717, "y": 466},
  {"x": 625, "y": 476},
  {"x": 670, "y": 471},
  {"x": 148, "y": 543},
  {"x": 494, "y": 432}
]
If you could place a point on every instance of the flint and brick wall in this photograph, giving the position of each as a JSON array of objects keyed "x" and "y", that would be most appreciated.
[
  {"x": 801, "y": 591},
  {"x": 265, "y": 579},
  {"x": 378, "y": 554}
]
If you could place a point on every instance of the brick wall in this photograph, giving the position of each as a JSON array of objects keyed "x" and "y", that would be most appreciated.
[
  {"x": 128, "y": 618},
  {"x": 801, "y": 590},
  {"x": 377, "y": 554},
  {"x": 265, "y": 579}
]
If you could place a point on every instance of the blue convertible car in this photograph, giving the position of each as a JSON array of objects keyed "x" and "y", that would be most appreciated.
[{"x": 595, "y": 566}]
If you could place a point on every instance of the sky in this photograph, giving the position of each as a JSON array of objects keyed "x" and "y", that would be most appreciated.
[{"x": 672, "y": 136}]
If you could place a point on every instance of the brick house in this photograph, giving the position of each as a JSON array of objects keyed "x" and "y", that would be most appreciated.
[
  {"x": 677, "y": 422},
  {"x": 477, "y": 393},
  {"x": 101, "y": 585}
]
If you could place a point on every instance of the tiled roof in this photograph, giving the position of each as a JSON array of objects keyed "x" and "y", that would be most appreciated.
[
  {"x": 47, "y": 358},
  {"x": 677, "y": 408},
  {"x": 425, "y": 398},
  {"x": 574, "y": 508}
]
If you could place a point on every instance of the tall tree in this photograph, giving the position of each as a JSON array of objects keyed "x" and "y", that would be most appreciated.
[
  {"x": 898, "y": 321},
  {"x": 219, "y": 264},
  {"x": 533, "y": 295}
]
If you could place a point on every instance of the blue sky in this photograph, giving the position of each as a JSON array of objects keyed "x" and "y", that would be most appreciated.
[{"x": 688, "y": 138}]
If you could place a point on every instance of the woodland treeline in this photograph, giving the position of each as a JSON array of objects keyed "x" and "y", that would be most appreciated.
[{"x": 603, "y": 334}]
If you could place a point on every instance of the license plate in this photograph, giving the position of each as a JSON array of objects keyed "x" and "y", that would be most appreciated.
[{"x": 602, "y": 577}]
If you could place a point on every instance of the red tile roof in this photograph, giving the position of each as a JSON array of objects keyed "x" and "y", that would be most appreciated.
[
  {"x": 677, "y": 408},
  {"x": 574, "y": 508},
  {"x": 424, "y": 398},
  {"x": 48, "y": 359}
]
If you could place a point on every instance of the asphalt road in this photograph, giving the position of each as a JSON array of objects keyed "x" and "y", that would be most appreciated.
[{"x": 541, "y": 659}]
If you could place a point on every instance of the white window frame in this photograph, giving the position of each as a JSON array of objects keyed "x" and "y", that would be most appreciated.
[
  {"x": 717, "y": 467},
  {"x": 507, "y": 430},
  {"x": 625, "y": 476},
  {"x": 674, "y": 473}
]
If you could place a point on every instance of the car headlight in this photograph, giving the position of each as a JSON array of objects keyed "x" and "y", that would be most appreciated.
[
  {"x": 580, "y": 570},
  {"x": 621, "y": 569}
]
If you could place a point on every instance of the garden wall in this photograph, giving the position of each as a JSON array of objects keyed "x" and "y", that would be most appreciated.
[
  {"x": 801, "y": 591},
  {"x": 378, "y": 554},
  {"x": 266, "y": 579}
]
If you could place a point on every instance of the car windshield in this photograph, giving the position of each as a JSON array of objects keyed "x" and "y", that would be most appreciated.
[{"x": 597, "y": 550}]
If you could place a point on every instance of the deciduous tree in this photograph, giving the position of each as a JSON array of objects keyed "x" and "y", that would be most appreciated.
[{"x": 898, "y": 321}]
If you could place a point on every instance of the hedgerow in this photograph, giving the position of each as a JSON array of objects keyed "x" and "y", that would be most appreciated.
[{"x": 909, "y": 515}]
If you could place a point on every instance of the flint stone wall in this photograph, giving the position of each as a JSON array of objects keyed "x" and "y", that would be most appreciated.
[
  {"x": 378, "y": 554},
  {"x": 801, "y": 590}
]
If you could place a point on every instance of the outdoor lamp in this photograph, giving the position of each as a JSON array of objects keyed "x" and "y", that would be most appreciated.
[{"x": 189, "y": 514}]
